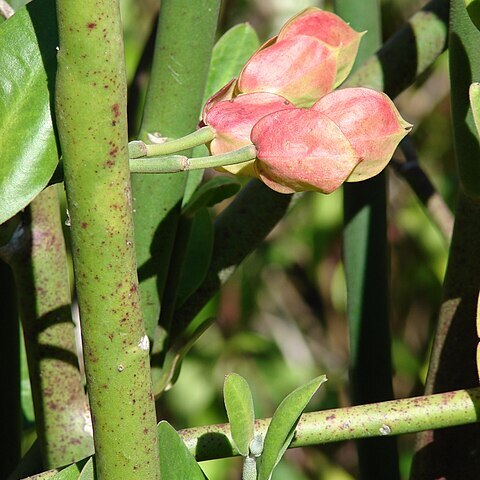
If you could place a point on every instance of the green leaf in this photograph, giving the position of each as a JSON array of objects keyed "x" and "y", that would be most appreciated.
[
  {"x": 282, "y": 427},
  {"x": 199, "y": 254},
  {"x": 210, "y": 193},
  {"x": 72, "y": 472},
  {"x": 27, "y": 143},
  {"x": 473, "y": 9},
  {"x": 239, "y": 405},
  {"x": 230, "y": 54},
  {"x": 88, "y": 471},
  {"x": 176, "y": 462}
]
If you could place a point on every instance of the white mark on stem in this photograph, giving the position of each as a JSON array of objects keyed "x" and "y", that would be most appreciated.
[
  {"x": 385, "y": 430},
  {"x": 68, "y": 221},
  {"x": 144, "y": 343},
  {"x": 175, "y": 74},
  {"x": 120, "y": 368}
]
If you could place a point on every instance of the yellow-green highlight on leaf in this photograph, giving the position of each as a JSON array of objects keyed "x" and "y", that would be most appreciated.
[
  {"x": 239, "y": 405},
  {"x": 176, "y": 462},
  {"x": 475, "y": 103},
  {"x": 473, "y": 9},
  {"x": 282, "y": 427}
]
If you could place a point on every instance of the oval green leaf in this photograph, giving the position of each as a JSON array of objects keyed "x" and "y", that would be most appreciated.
[
  {"x": 176, "y": 462},
  {"x": 229, "y": 55},
  {"x": 282, "y": 427},
  {"x": 88, "y": 471},
  {"x": 239, "y": 405},
  {"x": 28, "y": 145}
]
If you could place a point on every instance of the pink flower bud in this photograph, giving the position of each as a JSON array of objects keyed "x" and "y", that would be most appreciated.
[
  {"x": 302, "y": 149},
  {"x": 330, "y": 29},
  {"x": 300, "y": 68},
  {"x": 233, "y": 121},
  {"x": 372, "y": 124}
]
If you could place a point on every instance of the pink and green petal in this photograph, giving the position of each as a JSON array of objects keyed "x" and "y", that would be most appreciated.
[
  {"x": 332, "y": 30},
  {"x": 302, "y": 149},
  {"x": 233, "y": 121},
  {"x": 301, "y": 69},
  {"x": 227, "y": 92},
  {"x": 372, "y": 124}
]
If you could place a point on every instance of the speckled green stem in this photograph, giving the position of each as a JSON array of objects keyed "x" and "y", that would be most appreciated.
[
  {"x": 39, "y": 261},
  {"x": 395, "y": 417},
  {"x": 92, "y": 124}
]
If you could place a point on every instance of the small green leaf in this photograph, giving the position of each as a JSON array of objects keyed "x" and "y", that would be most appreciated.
[
  {"x": 88, "y": 471},
  {"x": 475, "y": 104},
  {"x": 176, "y": 462},
  {"x": 239, "y": 405},
  {"x": 72, "y": 472},
  {"x": 282, "y": 427},
  {"x": 473, "y": 9},
  {"x": 28, "y": 145},
  {"x": 210, "y": 193},
  {"x": 229, "y": 55},
  {"x": 199, "y": 254}
]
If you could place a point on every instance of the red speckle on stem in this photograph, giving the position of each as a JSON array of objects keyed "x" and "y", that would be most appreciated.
[{"x": 91, "y": 25}]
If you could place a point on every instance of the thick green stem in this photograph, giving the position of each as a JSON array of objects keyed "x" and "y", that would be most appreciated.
[
  {"x": 91, "y": 113},
  {"x": 395, "y": 417},
  {"x": 453, "y": 361},
  {"x": 39, "y": 261},
  {"x": 172, "y": 108},
  {"x": 366, "y": 259},
  {"x": 180, "y": 163}
]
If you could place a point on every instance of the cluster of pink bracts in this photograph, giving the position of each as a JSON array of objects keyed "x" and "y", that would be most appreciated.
[{"x": 307, "y": 136}]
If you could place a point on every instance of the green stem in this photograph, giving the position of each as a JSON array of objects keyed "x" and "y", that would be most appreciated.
[
  {"x": 366, "y": 257},
  {"x": 39, "y": 262},
  {"x": 180, "y": 163},
  {"x": 454, "y": 352},
  {"x": 137, "y": 148},
  {"x": 395, "y": 417},
  {"x": 91, "y": 106},
  {"x": 172, "y": 107},
  {"x": 406, "y": 54}
]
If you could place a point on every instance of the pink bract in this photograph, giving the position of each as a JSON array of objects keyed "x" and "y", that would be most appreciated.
[
  {"x": 302, "y": 149},
  {"x": 372, "y": 124},
  {"x": 300, "y": 68},
  {"x": 233, "y": 121},
  {"x": 330, "y": 29}
]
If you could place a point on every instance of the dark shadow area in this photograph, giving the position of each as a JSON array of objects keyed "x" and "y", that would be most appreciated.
[{"x": 213, "y": 445}]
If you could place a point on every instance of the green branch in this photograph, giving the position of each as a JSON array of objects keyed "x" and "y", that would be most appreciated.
[
  {"x": 180, "y": 163},
  {"x": 91, "y": 107},
  {"x": 395, "y": 417},
  {"x": 39, "y": 261}
]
